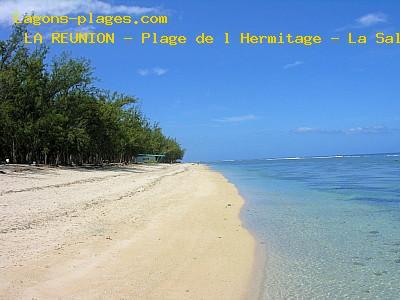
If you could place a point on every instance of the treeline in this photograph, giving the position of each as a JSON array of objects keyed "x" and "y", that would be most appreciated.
[{"x": 52, "y": 113}]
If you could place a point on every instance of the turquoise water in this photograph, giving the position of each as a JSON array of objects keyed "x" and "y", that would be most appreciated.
[{"x": 330, "y": 225}]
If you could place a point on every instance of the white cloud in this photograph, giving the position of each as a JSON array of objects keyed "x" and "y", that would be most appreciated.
[
  {"x": 365, "y": 21},
  {"x": 293, "y": 65},
  {"x": 159, "y": 71},
  {"x": 154, "y": 71},
  {"x": 143, "y": 72},
  {"x": 83, "y": 29},
  {"x": 371, "y": 19},
  {"x": 8, "y": 8},
  {"x": 354, "y": 130},
  {"x": 369, "y": 130},
  {"x": 305, "y": 130},
  {"x": 236, "y": 119},
  {"x": 89, "y": 28}
]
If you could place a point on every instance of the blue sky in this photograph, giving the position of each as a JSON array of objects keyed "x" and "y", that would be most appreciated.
[{"x": 242, "y": 102}]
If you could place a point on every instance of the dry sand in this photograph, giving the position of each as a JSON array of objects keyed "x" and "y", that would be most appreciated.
[{"x": 141, "y": 232}]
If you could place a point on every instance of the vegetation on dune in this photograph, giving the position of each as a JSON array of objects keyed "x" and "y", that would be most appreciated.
[{"x": 52, "y": 113}]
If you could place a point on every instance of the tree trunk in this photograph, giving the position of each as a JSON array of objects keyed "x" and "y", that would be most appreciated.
[{"x": 14, "y": 158}]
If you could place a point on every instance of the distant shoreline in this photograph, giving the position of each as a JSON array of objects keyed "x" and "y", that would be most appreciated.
[{"x": 138, "y": 231}]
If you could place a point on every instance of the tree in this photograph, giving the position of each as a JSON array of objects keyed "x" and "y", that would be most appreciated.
[{"x": 54, "y": 113}]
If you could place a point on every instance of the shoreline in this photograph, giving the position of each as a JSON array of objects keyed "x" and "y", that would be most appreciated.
[
  {"x": 137, "y": 232},
  {"x": 255, "y": 287}
]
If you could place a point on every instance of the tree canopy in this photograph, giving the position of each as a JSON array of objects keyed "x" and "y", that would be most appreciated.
[{"x": 52, "y": 113}]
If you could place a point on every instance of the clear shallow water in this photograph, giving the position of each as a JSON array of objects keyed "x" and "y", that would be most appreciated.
[{"x": 331, "y": 226}]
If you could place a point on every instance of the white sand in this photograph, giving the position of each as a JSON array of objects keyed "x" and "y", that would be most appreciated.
[{"x": 143, "y": 232}]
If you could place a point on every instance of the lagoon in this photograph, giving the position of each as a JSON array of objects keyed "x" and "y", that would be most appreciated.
[{"x": 330, "y": 225}]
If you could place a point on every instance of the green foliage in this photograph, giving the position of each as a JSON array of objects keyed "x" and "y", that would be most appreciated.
[{"x": 55, "y": 115}]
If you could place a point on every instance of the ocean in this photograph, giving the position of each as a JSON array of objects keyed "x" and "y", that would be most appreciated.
[{"x": 330, "y": 226}]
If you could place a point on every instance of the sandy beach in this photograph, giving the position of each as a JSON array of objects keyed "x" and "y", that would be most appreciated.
[{"x": 137, "y": 232}]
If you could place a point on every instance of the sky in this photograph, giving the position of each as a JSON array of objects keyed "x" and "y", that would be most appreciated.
[{"x": 241, "y": 101}]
